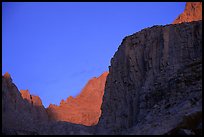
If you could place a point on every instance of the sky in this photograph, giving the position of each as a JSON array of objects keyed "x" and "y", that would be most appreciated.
[{"x": 53, "y": 49}]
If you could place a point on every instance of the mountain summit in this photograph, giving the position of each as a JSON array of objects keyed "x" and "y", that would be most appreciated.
[
  {"x": 192, "y": 12},
  {"x": 85, "y": 109}
]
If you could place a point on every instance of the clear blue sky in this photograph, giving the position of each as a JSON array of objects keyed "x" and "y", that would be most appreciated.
[{"x": 53, "y": 49}]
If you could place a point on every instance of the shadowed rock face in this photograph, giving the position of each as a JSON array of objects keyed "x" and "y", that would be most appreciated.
[
  {"x": 85, "y": 108},
  {"x": 192, "y": 12},
  {"x": 20, "y": 112},
  {"x": 155, "y": 72},
  {"x": 154, "y": 80}
]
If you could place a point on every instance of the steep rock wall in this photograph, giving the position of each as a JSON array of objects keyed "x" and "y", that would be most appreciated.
[{"x": 156, "y": 68}]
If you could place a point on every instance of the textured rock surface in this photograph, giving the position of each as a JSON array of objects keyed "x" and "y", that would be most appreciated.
[
  {"x": 35, "y": 104},
  {"x": 154, "y": 86},
  {"x": 192, "y": 12},
  {"x": 85, "y": 108},
  {"x": 24, "y": 114},
  {"x": 18, "y": 113},
  {"x": 35, "y": 100},
  {"x": 154, "y": 80}
]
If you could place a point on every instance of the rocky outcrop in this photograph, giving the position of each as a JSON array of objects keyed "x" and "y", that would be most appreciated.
[
  {"x": 20, "y": 113},
  {"x": 83, "y": 109},
  {"x": 35, "y": 104},
  {"x": 192, "y": 12},
  {"x": 35, "y": 100},
  {"x": 24, "y": 114},
  {"x": 154, "y": 80},
  {"x": 191, "y": 124}
]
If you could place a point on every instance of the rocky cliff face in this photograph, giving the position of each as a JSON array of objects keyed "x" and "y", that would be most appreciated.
[
  {"x": 154, "y": 86},
  {"x": 24, "y": 114},
  {"x": 37, "y": 109},
  {"x": 192, "y": 12},
  {"x": 154, "y": 80},
  {"x": 85, "y": 108},
  {"x": 35, "y": 100},
  {"x": 20, "y": 111}
]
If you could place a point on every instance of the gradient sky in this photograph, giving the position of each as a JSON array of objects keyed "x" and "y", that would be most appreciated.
[{"x": 53, "y": 49}]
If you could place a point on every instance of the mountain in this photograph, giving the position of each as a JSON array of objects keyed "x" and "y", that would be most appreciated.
[
  {"x": 85, "y": 108},
  {"x": 24, "y": 114},
  {"x": 21, "y": 111},
  {"x": 155, "y": 81},
  {"x": 154, "y": 86},
  {"x": 192, "y": 12}
]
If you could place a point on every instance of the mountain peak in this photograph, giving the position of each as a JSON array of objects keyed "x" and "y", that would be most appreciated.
[
  {"x": 192, "y": 12},
  {"x": 104, "y": 74},
  {"x": 25, "y": 92},
  {"x": 7, "y": 76},
  {"x": 35, "y": 100},
  {"x": 85, "y": 108}
]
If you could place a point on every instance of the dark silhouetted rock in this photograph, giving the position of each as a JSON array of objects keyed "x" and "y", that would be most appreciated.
[{"x": 155, "y": 78}]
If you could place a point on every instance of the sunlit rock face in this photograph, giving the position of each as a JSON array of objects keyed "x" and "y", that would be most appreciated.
[
  {"x": 85, "y": 109},
  {"x": 35, "y": 100},
  {"x": 192, "y": 12}
]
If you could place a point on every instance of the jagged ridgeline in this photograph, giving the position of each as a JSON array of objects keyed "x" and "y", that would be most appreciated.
[{"x": 154, "y": 86}]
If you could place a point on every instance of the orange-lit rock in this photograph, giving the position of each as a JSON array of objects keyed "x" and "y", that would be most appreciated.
[
  {"x": 7, "y": 76},
  {"x": 35, "y": 100},
  {"x": 26, "y": 95},
  {"x": 192, "y": 12},
  {"x": 85, "y": 108}
]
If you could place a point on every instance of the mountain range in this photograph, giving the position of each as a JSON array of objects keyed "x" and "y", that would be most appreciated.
[{"x": 154, "y": 86}]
